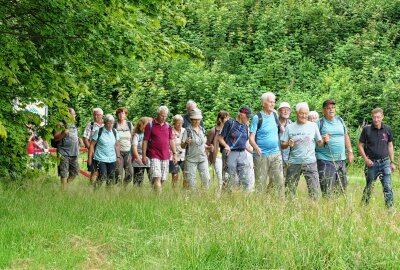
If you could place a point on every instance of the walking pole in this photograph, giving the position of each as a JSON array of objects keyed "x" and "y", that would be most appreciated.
[{"x": 336, "y": 170}]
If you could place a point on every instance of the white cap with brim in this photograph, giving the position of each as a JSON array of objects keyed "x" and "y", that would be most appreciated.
[
  {"x": 284, "y": 105},
  {"x": 196, "y": 114}
]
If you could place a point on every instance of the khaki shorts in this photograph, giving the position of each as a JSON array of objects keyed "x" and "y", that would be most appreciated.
[{"x": 69, "y": 166}]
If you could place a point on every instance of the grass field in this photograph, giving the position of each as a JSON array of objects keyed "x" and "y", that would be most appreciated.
[{"x": 44, "y": 228}]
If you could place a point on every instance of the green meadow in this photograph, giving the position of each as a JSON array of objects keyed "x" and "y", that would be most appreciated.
[{"x": 43, "y": 227}]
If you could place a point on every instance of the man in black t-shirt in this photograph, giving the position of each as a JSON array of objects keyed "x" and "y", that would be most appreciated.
[{"x": 376, "y": 148}]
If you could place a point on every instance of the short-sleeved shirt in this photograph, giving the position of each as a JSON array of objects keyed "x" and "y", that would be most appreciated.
[
  {"x": 376, "y": 141},
  {"x": 180, "y": 152},
  {"x": 69, "y": 145},
  {"x": 105, "y": 146},
  {"x": 89, "y": 130},
  {"x": 337, "y": 130},
  {"x": 159, "y": 137},
  {"x": 285, "y": 152},
  {"x": 138, "y": 141},
  {"x": 125, "y": 137},
  {"x": 267, "y": 137},
  {"x": 235, "y": 134},
  {"x": 195, "y": 151},
  {"x": 305, "y": 137}
]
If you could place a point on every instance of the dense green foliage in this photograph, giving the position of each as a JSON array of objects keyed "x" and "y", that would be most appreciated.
[
  {"x": 222, "y": 54},
  {"x": 44, "y": 228}
]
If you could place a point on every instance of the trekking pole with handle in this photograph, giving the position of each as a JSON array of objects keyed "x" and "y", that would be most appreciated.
[{"x": 336, "y": 170}]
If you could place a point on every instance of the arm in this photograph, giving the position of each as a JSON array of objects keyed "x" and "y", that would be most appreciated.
[
  {"x": 86, "y": 142},
  {"x": 391, "y": 156},
  {"x": 221, "y": 140},
  {"x": 252, "y": 141},
  {"x": 173, "y": 150},
  {"x": 136, "y": 154},
  {"x": 117, "y": 151},
  {"x": 91, "y": 152},
  {"x": 367, "y": 161},
  {"x": 144, "y": 149},
  {"x": 349, "y": 149},
  {"x": 59, "y": 135}
]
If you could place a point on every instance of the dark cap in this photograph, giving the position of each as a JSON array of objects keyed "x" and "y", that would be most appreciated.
[
  {"x": 246, "y": 110},
  {"x": 328, "y": 102}
]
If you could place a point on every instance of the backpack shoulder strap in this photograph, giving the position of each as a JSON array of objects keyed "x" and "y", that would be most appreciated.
[
  {"x": 115, "y": 125},
  {"x": 129, "y": 125},
  {"x": 91, "y": 126},
  {"x": 100, "y": 132},
  {"x": 320, "y": 124},
  {"x": 260, "y": 120},
  {"x": 342, "y": 122},
  {"x": 278, "y": 124},
  {"x": 115, "y": 133}
]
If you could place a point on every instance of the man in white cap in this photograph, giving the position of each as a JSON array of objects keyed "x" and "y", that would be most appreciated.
[{"x": 284, "y": 111}]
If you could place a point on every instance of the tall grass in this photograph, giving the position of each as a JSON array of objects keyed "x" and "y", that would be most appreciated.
[{"x": 45, "y": 228}]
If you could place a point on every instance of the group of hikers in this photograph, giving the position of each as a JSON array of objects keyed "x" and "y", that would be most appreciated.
[{"x": 263, "y": 152}]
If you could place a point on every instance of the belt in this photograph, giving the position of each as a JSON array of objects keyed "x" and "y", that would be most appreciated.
[
  {"x": 237, "y": 150},
  {"x": 381, "y": 160}
]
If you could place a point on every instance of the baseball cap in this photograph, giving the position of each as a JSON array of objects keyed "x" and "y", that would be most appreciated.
[
  {"x": 328, "y": 102},
  {"x": 246, "y": 110},
  {"x": 284, "y": 105}
]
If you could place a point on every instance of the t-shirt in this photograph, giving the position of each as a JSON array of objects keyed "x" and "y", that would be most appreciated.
[
  {"x": 235, "y": 134},
  {"x": 89, "y": 131},
  {"x": 337, "y": 130},
  {"x": 376, "y": 141},
  {"x": 69, "y": 145},
  {"x": 285, "y": 152},
  {"x": 105, "y": 146},
  {"x": 304, "y": 136},
  {"x": 195, "y": 151},
  {"x": 125, "y": 135},
  {"x": 267, "y": 135},
  {"x": 159, "y": 137},
  {"x": 180, "y": 152}
]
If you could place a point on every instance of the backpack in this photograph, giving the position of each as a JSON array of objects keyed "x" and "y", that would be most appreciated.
[
  {"x": 127, "y": 122},
  {"x": 101, "y": 131},
  {"x": 230, "y": 130},
  {"x": 321, "y": 124}
]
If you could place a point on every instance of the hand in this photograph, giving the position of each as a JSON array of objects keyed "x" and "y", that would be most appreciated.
[
  {"x": 89, "y": 162},
  {"x": 369, "y": 163},
  {"x": 211, "y": 147},
  {"x": 189, "y": 141},
  {"x": 144, "y": 160},
  {"x": 291, "y": 142},
  {"x": 227, "y": 150},
  {"x": 140, "y": 162},
  {"x": 258, "y": 151},
  {"x": 66, "y": 132},
  {"x": 174, "y": 159},
  {"x": 350, "y": 157},
  {"x": 326, "y": 137},
  {"x": 392, "y": 166}
]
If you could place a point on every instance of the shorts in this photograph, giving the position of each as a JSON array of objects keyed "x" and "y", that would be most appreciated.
[
  {"x": 159, "y": 168},
  {"x": 69, "y": 166},
  {"x": 176, "y": 168}
]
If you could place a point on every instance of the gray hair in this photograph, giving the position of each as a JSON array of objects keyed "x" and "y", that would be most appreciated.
[
  {"x": 99, "y": 110},
  {"x": 176, "y": 118},
  {"x": 267, "y": 95},
  {"x": 313, "y": 114},
  {"x": 191, "y": 103},
  {"x": 108, "y": 118},
  {"x": 302, "y": 105},
  {"x": 162, "y": 109}
]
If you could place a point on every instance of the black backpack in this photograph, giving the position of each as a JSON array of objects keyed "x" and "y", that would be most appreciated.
[{"x": 101, "y": 131}]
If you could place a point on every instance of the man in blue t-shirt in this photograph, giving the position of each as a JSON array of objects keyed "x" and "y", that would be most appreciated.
[
  {"x": 265, "y": 140},
  {"x": 301, "y": 137},
  {"x": 233, "y": 138},
  {"x": 331, "y": 158}
]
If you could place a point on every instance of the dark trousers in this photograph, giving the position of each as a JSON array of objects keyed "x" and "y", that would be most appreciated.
[
  {"x": 106, "y": 172},
  {"x": 138, "y": 175}
]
